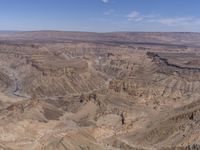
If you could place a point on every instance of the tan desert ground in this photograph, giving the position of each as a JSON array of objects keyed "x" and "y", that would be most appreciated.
[{"x": 99, "y": 91}]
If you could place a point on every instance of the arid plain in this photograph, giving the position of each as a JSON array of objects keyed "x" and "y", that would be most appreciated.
[{"x": 99, "y": 91}]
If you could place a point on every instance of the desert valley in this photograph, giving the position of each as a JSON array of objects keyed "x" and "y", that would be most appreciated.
[{"x": 99, "y": 91}]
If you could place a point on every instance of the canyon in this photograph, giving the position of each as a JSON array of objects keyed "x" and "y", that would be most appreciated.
[{"x": 99, "y": 91}]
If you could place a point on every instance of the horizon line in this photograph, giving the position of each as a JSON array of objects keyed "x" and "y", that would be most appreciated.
[{"x": 82, "y": 31}]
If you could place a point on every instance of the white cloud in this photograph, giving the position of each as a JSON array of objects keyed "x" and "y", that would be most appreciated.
[
  {"x": 137, "y": 16},
  {"x": 183, "y": 22},
  {"x": 105, "y": 1},
  {"x": 180, "y": 21},
  {"x": 134, "y": 15}
]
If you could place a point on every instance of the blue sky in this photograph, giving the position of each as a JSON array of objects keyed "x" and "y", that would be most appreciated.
[{"x": 100, "y": 15}]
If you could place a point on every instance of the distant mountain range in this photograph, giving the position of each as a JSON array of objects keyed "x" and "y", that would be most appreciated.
[
  {"x": 179, "y": 38},
  {"x": 8, "y": 31}
]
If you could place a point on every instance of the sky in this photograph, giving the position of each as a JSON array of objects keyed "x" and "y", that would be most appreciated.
[{"x": 101, "y": 15}]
